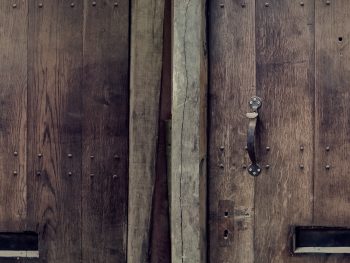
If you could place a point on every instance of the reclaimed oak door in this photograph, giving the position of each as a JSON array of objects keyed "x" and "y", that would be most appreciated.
[
  {"x": 295, "y": 56},
  {"x": 64, "y": 127}
]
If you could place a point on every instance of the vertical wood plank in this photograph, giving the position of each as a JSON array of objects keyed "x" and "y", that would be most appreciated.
[
  {"x": 285, "y": 67},
  {"x": 105, "y": 131},
  {"x": 54, "y": 127},
  {"x": 145, "y": 83},
  {"x": 232, "y": 83},
  {"x": 13, "y": 117},
  {"x": 332, "y": 186},
  {"x": 161, "y": 243},
  {"x": 188, "y": 153}
]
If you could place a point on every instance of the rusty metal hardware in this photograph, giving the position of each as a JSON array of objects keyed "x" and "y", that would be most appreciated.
[{"x": 255, "y": 103}]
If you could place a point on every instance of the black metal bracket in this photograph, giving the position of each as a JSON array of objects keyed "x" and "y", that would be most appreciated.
[{"x": 255, "y": 103}]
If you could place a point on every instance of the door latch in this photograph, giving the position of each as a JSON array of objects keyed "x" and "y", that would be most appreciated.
[{"x": 254, "y": 103}]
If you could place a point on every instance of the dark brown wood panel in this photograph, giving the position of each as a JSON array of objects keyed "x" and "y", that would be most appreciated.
[
  {"x": 105, "y": 131},
  {"x": 13, "y": 115},
  {"x": 332, "y": 184},
  {"x": 232, "y": 83},
  {"x": 285, "y": 66},
  {"x": 54, "y": 122}
]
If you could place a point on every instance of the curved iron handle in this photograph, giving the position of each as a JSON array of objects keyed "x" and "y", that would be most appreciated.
[{"x": 254, "y": 103}]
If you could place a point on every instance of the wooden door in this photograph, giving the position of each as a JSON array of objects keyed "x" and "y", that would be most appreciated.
[
  {"x": 295, "y": 56},
  {"x": 64, "y": 126}
]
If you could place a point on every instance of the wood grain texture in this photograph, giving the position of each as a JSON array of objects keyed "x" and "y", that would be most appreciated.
[
  {"x": 160, "y": 237},
  {"x": 105, "y": 131},
  {"x": 232, "y": 83},
  {"x": 145, "y": 84},
  {"x": 13, "y": 115},
  {"x": 285, "y": 66},
  {"x": 188, "y": 153},
  {"x": 332, "y": 187},
  {"x": 54, "y": 128}
]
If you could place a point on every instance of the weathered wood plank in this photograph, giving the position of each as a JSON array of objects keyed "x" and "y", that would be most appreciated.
[
  {"x": 105, "y": 131},
  {"x": 332, "y": 186},
  {"x": 145, "y": 82},
  {"x": 13, "y": 115},
  {"x": 285, "y": 67},
  {"x": 161, "y": 243},
  {"x": 232, "y": 83},
  {"x": 54, "y": 127},
  {"x": 188, "y": 153}
]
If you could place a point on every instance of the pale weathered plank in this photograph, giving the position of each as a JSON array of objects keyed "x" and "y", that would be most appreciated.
[
  {"x": 232, "y": 83},
  {"x": 145, "y": 83},
  {"x": 188, "y": 154}
]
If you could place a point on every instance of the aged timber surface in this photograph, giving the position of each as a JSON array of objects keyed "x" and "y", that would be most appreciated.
[
  {"x": 332, "y": 186},
  {"x": 13, "y": 116},
  {"x": 188, "y": 152},
  {"x": 232, "y": 83},
  {"x": 54, "y": 128},
  {"x": 105, "y": 131},
  {"x": 145, "y": 85},
  {"x": 285, "y": 66}
]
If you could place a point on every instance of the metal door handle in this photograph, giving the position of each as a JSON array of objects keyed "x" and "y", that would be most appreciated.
[{"x": 254, "y": 103}]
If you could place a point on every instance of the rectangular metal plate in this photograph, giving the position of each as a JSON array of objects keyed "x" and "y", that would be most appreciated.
[
  {"x": 320, "y": 239},
  {"x": 19, "y": 245}
]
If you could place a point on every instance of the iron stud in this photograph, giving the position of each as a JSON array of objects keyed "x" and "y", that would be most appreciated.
[
  {"x": 40, "y": 155},
  {"x": 70, "y": 155},
  {"x": 327, "y": 166},
  {"x": 72, "y": 5},
  {"x": 222, "y": 5},
  {"x": 267, "y": 4},
  {"x": 93, "y": 3},
  {"x": 115, "y": 176},
  {"x": 267, "y": 148},
  {"x": 267, "y": 166},
  {"x": 244, "y": 166},
  {"x": 15, "y": 153},
  {"x": 243, "y": 5},
  {"x": 40, "y": 5},
  {"x": 302, "y": 3},
  {"x": 92, "y": 157},
  {"x": 328, "y": 148},
  {"x": 222, "y": 148},
  {"x": 328, "y": 2},
  {"x": 221, "y": 166},
  {"x": 70, "y": 173},
  {"x": 14, "y": 5},
  {"x": 301, "y": 148},
  {"x": 115, "y": 4},
  {"x": 38, "y": 173},
  {"x": 301, "y": 166},
  {"x": 15, "y": 172},
  {"x": 91, "y": 175}
]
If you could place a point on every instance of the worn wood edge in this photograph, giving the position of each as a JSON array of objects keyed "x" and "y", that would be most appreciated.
[
  {"x": 145, "y": 83},
  {"x": 188, "y": 182}
]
